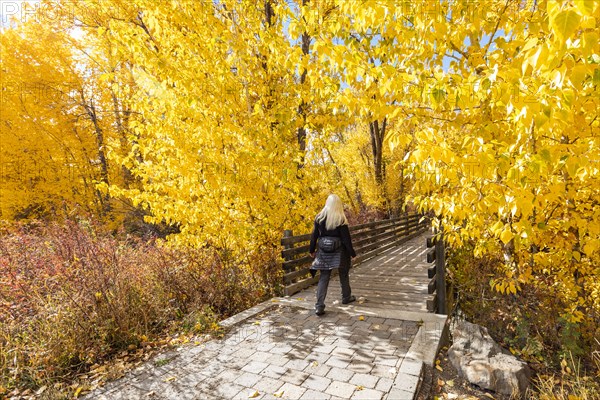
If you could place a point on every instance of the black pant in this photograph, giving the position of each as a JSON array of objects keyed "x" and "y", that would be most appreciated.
[{"x": 324, "y": 284}]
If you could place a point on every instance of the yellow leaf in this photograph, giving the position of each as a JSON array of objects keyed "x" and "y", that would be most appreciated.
[
  {"x": 497, "y": 226},
  {"x": 278, "y": 394},
  {"x": 361, "y": 318},
  {"x": 170, "y": 379},
  {"x": 439, "y": 368},
  {"x": 565, "y": 23},
  {"x": 78, "y": 391},
  {"x": 253, "y": 394},
  {"x": 359, "y": 387},
  {"x": 506, "y": 235},
  {"x": 586, "y": 7}
]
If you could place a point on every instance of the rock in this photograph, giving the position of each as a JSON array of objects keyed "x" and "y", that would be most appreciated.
[{"x": 480, "y": 360}]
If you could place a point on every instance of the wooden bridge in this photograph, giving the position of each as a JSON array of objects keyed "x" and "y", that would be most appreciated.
[{"x": 392, "y": 269}]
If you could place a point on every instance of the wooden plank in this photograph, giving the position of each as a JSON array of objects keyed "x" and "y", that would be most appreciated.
[
  {"x": 290, "y": 276},
  {"x": 431, "y": 256},
  {"x": 430, "y": 242},
  {"x": 292, "y": 264},
  {"x": 383, "y": 239},
  {"x": 431, "y": 304},
  {"x": 303, "y": 284},
  {"x": 375, "y": 252},
  {"x": 295, "y": 239},
  {"x": 431, "y": 286},
  {"x": 372, "y": 224},
  {"x": 394, "y": 287},
  {"x": 431, "y": 272},
  {"x": 397, "y": 229},
  {"x": 357, "y": 237},
  {"x": 288, "y": 253}
]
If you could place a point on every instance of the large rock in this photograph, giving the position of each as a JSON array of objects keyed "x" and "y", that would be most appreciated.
[{"x": 480, "y": 360}]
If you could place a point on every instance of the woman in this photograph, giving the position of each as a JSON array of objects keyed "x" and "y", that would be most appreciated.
[{"x": 332, "y": 236}]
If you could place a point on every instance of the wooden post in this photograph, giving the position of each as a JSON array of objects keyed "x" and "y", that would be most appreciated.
[
  {"x": 440, "y": 275},
  {"x": 286, "y": 234}
]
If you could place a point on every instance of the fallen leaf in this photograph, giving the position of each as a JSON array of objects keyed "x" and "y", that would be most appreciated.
[
  {"x": 315, "y": 363},
  {"x": 450, "y": 383},
  {"x": 38, "y": 392},
  {"x": 361, "y": 318},
  {"x": 439, "y": 368},
  {"x": 440, "y": 382},
  {"x": 77, "y": 391},
  {"x": 359, "y": 387},
  {"x": 150, "y": 394},
  {"x": 170, "y": 379},
  {"x": 489, "y": 395},
  {"x": 253, "y": 394},
  {"x": 300, "y": 298},
  {"x": 278, "y": 394},
  {"x": 256, "y": 322}
]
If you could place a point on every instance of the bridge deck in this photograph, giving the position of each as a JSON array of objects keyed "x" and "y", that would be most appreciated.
[{"x": 396, "y": 279}]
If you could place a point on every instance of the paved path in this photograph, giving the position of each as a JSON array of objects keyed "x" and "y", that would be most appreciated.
[{"x": 280, "y": 349}]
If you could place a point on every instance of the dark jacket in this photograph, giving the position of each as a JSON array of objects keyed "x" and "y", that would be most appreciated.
[{"x": 342, "y": 232}]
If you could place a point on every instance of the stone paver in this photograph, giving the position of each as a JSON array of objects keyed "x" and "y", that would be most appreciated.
[
  {"x": 340, "y": 389},
  {"x": 280, "y": 347}
]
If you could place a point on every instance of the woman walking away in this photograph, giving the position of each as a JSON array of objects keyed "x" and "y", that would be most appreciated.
[{"x": 332, "y": 244}]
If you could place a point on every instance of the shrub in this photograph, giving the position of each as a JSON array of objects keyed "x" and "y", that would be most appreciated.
[
  {"x": 72, "y": 295},
  {"x": 529, "y": 322}
]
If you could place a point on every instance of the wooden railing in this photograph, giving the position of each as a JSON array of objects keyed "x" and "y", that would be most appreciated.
[
  {"x": 368, "y": 240},
  {"x": 437, "y": 274}
]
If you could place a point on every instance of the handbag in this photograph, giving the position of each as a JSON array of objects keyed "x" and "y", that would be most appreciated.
[
  {"x": 329, "y": 244},
  {"x": 329, "y": 254}
]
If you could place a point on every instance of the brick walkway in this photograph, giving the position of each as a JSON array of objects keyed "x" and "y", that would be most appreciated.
[{"x": 280, "y": 349}]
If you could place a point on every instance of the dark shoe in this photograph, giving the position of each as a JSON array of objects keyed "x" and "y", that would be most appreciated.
[
  {"x": 320, "y": 310},
  {"x": 348, "y": 300}
]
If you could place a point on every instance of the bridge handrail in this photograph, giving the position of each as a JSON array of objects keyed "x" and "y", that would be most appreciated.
[
  {"x": 369, "y": 240},
  {"x": 437, "y": 274}
]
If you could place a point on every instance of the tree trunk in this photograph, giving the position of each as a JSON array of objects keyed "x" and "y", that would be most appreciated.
[
  {"x": 377, "y": 134},
  {"x": 91, "y": 112},
  {"x": 121, "y": 119},
  {"x": 303, "y": 108}
]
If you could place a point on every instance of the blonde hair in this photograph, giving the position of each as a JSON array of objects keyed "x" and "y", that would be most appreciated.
[{"x": 333, "y": 213}]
